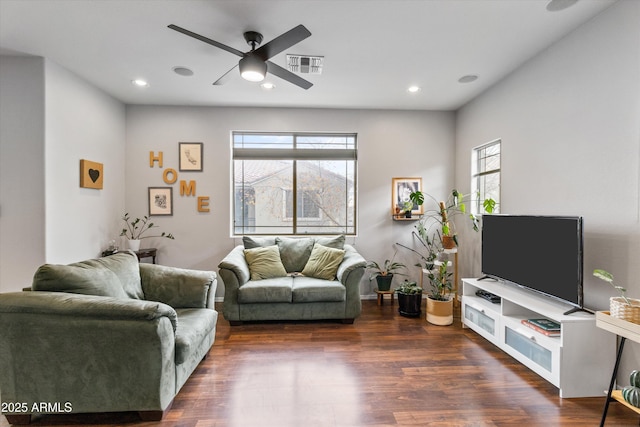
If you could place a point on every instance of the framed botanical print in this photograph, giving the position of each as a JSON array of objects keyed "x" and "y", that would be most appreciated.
[
  {"x": 190, "y": 156},
  {"x": 401, "y": 188},
  {"x": 160, "y": 201}
]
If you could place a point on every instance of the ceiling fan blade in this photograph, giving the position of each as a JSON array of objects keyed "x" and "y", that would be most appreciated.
[
  {"x": 282, "y": 42},
  {"x": 207, "y": 40},
  {"x": 287, "y": 75},
  {"x": 225, "y": 77}
]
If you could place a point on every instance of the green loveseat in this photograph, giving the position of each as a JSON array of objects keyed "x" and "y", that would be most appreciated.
[
  {"x": 293, "y": 294},
  {"x": 103, "y": 335}
]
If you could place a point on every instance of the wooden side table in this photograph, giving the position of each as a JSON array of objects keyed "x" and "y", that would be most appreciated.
[
  {"x": 381, "y": 295},
  {"x": 147, "y": 253},
  {"x": 624, "y": 330}
]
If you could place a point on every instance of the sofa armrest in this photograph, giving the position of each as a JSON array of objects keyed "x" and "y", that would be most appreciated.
[
  {"x": 85, "y": 306},
  {"x": 178, "y": 287},
  {"x": 353, "y": 262},
  {"x": 234, "y": 272},
  {"x": 236, "y": 263},
  {"x": 96, "y": 354}
]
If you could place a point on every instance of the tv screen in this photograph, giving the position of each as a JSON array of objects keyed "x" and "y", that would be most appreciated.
[{"x": 542, "y": 253}]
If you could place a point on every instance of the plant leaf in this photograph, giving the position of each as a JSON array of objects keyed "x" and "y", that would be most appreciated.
[{"x": 604, "y": 275}]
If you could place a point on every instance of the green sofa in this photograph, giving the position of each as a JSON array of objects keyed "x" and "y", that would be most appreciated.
[
  {"x": 293, "y": 294},
  {"x": 103, "y": 335}
]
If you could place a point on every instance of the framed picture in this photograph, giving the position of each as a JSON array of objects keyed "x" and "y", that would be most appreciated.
[
  {"x": 90, "y": 174},
  {"x": 401, "y": 188},
  {"x": 160, "y": 201},
  {"x": 190, "y": 156}
]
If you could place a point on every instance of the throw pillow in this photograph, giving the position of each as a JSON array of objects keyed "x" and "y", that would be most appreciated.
[
  {"x": 331, "y": 242},
  {"x": 264, "y": 263},
  {"x": 258, "y": 242},
  {"x": 323, "y": 262},
  {"x": 294, "y": 252}
]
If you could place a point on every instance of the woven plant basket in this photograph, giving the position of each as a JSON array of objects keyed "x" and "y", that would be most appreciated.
[{"x": 621, "y": 310}]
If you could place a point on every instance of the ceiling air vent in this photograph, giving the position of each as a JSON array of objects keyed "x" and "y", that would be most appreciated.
[{"x": 305, "y": 64}]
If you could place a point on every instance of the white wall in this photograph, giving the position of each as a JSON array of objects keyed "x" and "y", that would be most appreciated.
[
  {"x": 569, "y": 121},
  {"x": 50, "y": 119},
  {"x": 82, "y": 122},
  {"x": 390, "y": 144},
  {"x": 22, "y": 170}
]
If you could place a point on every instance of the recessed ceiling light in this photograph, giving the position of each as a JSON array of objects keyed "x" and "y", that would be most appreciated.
[
  {"x": 140, "y": 82},
  {"x": 413, "y": 89},
  {"x": 556, "y": 5},
  {"x": 468, "y": 78},
  {"x": 183, "y": 71},
  {"x": 268, "y": 85}
]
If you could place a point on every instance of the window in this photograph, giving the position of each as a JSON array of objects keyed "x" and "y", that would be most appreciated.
[
  {"x": 294, "y": 183},
  {"x": 485, "y": 173}
]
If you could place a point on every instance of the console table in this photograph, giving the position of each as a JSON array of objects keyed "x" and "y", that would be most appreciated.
[
  {"x": 624, "y": 330},
  {"x": 572, "y": 361},
  {"x": 147, "y": 253}
]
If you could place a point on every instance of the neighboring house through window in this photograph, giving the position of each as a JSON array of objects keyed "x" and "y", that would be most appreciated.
[
  {"x": 294, "y": 183},
  {"x": 485, "y": 175}
]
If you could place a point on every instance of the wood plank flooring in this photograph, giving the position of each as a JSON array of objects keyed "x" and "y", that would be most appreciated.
[{"x": 384, "y": 370}]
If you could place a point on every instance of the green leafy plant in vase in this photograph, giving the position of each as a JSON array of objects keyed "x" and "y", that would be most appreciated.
[
  {"x": 384, "y": 273},
  {"x": 136, "y": 228},
  {"x": 620, "y": 307},
  {"x": 409, "y": 299}
]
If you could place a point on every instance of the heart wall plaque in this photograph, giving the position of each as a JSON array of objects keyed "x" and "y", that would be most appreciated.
[{"x": 90, "y": 174}]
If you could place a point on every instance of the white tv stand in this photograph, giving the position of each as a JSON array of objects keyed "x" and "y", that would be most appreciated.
[{"x": 576, "y": 361}]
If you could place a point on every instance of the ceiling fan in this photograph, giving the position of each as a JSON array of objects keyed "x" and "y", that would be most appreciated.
[{"x": 255, "y": 63}]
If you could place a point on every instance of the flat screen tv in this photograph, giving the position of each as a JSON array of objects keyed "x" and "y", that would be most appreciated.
[{"x": 541, "y": 253}]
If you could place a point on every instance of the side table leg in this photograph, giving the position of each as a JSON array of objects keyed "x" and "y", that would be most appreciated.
[{"x": 613, "y": 381}]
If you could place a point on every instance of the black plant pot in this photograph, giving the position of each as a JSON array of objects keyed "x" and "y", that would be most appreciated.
[
  {"x": 409, "y": 305},
  {"x": 384, "y": 282}
]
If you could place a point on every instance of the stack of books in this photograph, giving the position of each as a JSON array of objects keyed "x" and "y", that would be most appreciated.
[{"x": 544, "y": 326}]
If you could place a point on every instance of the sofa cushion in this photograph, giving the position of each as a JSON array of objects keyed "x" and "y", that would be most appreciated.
[
  {"x": 116, "y": 276},
  {"x": 258, "y": 242},
  {"x": 295, "y": 253},
  {"x": 323, "y": 262},
  {"x": 264, "y": 263},
  {"x": 308, "y": 289},
  {"x": 268, "y": 290},
  {"x": 194, "y": 324},
  {"x": 332, "y": 242}
]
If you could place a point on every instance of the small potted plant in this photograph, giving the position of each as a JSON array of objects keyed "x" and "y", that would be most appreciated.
[
  {"x": 439, "y": 299},
  {"x": 620, "y": 307},
  {"x": 136, "y": 228},
  {"x": 384, "y": 273},
  {"x": 409, "y": 299}
]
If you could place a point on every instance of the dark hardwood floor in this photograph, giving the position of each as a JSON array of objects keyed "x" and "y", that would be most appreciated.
[{"x": 384, "y": 370}]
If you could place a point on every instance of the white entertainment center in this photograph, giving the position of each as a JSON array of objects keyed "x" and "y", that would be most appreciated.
[{"x": 577, "y": 362}]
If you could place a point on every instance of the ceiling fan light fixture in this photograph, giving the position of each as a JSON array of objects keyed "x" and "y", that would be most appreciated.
[
  {"x": 252, "y": 68},
  {"x": 557, "y": 5}
]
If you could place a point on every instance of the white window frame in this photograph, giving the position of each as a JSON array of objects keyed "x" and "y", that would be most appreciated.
[
  {"x": 294, "y": 154},
  {"x": 478, "y": 171}
]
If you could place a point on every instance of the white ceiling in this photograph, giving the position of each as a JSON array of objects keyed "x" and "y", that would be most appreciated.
[{"x": 373, "y": 49}]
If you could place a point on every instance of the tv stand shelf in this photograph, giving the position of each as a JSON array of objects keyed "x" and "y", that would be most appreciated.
[{"x": 573, "y": 361}]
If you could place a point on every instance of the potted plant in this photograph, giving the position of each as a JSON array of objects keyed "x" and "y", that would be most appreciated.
[
  {"x": 136, "y": 228},
  {"x": 409, "y": 299},
  {"x": 439, "y": 299},
  {"x": 620, "y": 307},
  {"x": 384, "y": 274}
]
